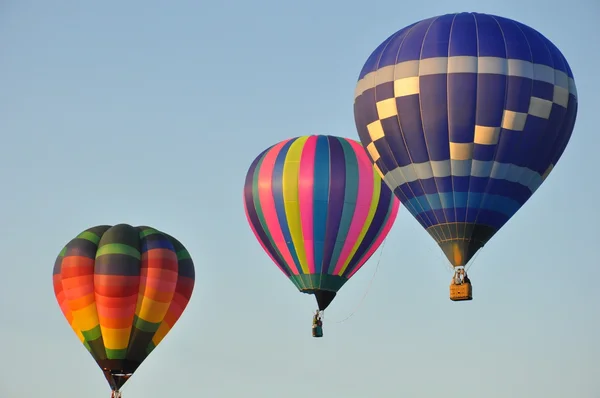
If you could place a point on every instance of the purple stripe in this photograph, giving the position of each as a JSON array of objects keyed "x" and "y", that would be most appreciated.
[
  {"x": 382, "y": 211},
  {"x": 253, "y": 215},
  {"x": 337, "y": 191}
]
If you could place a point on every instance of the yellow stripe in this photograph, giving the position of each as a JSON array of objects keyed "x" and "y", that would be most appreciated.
[
  {"x": 291, "y": 170},
  {"x": 86, "y": 318},
  {"x": 372, "y": 209},
  {"x": 115, "y": 339},
  {"x": 160, "y": 334},
  {"x": 150, "y": 310},
  {"x": 71, "y": 321},
  {"x": 79, "y": 334}
]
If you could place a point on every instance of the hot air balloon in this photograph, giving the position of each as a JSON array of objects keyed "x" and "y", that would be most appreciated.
[
  {"x": 319, "y": 210},
  {"x": 465, "y": 115},
  {"x": 122, "y": 289}
]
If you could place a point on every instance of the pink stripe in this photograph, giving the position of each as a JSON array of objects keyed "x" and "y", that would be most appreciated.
[
  {"x": 382, "y": 235},
  {"x": 306, "y": 198},
  {"x": 363, "y": 202},
  {"x": 260, "y": 241},
  {"x": 267, "y": 204}
]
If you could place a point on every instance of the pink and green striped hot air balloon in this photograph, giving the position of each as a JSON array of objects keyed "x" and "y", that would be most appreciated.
[
  {"x": 319, "y": 210},
  {"x": 122, "y": 289}
]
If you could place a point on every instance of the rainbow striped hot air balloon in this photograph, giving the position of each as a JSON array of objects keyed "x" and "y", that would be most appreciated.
[
  {"x": 465, "y": 115},
  {"x": 122, "y": 289},
  {"x": 319, "y": 210}
]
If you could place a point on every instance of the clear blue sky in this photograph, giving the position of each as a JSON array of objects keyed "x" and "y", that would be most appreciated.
[{"x": 150, "y": 112}]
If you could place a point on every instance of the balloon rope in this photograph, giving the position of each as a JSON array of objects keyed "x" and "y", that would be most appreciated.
[
  {"x": 472, "y": 260},
  {"x": 368, "y": 286}
]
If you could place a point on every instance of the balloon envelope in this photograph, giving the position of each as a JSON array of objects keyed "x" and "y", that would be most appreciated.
[
  {"x": 318, "y": 209},
  {"x": 465, "y": 115},
  {"x": 122, "y": 289}
]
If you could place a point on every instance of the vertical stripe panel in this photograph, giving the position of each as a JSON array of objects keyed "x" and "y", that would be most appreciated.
[
  {"x": 265, "y": 193},
  {"x": 337, "y": 196},
  {"x": 256, "y": 219},
  {"x": 350, "y": 198},
  {"x": 366, "y": 224},
  {"x": 381, "y": 209},
  {"x": 289, "y": 188},
  {"x": 278, "y": 199},
  {"x": 158, "y": 279},
  {"x": 305, "y": 198},
  {"x": 186, "y": 277},
  {"x": 116, "y": 286},
  {"x": 320, "y": 198},
  {"x": 361, "y": 211}
]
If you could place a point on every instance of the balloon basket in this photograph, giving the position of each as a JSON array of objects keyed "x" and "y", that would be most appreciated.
[
  {"x": 317, "y": 331},
  {"x": 462, "y": 292}
]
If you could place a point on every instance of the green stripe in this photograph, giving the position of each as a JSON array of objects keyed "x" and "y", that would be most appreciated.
[
  {"x": 116, "y": 354},
  {"x": 315, "y": 282},
  {"x": 183, "y": 255},
  {"x": 63, "y": 252},
  {"x": 87, "y": 235},
  {"x": 150, "y": 348},
  {"x": 145, "y": 326},
  {"x": 350, "y": 199},
  {"x": 148, "y": 231},
  {"x": 93, "y": 334},
  {"x": 297, "y": 282},
  {"x": 118, "y": 248}
]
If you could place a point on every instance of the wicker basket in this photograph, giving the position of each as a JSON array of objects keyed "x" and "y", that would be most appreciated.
[{"x": 461, "y": 292}]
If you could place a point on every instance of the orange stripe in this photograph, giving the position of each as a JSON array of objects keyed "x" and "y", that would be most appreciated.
[
  {"x": 80, "y": 291},
  {"x": 116, "y": 323},
  {"x": 115, "y": 302},
  {"x": 59, "y": 293},
  {"x": 81, "y": 302},
  {"x": 66, "y": 311},
  {"x": 77, "y": 281},
  {"x": 157, "y": 295},
  {"x": 69, "y": 316},
  {"x": 159, "y": 284}
]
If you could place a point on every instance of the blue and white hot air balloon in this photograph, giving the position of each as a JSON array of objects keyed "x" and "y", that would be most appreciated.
[{"x": 465, "y": 115}]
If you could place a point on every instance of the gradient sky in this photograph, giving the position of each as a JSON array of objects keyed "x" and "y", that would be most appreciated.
[{"x": 149, "y": 113}]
